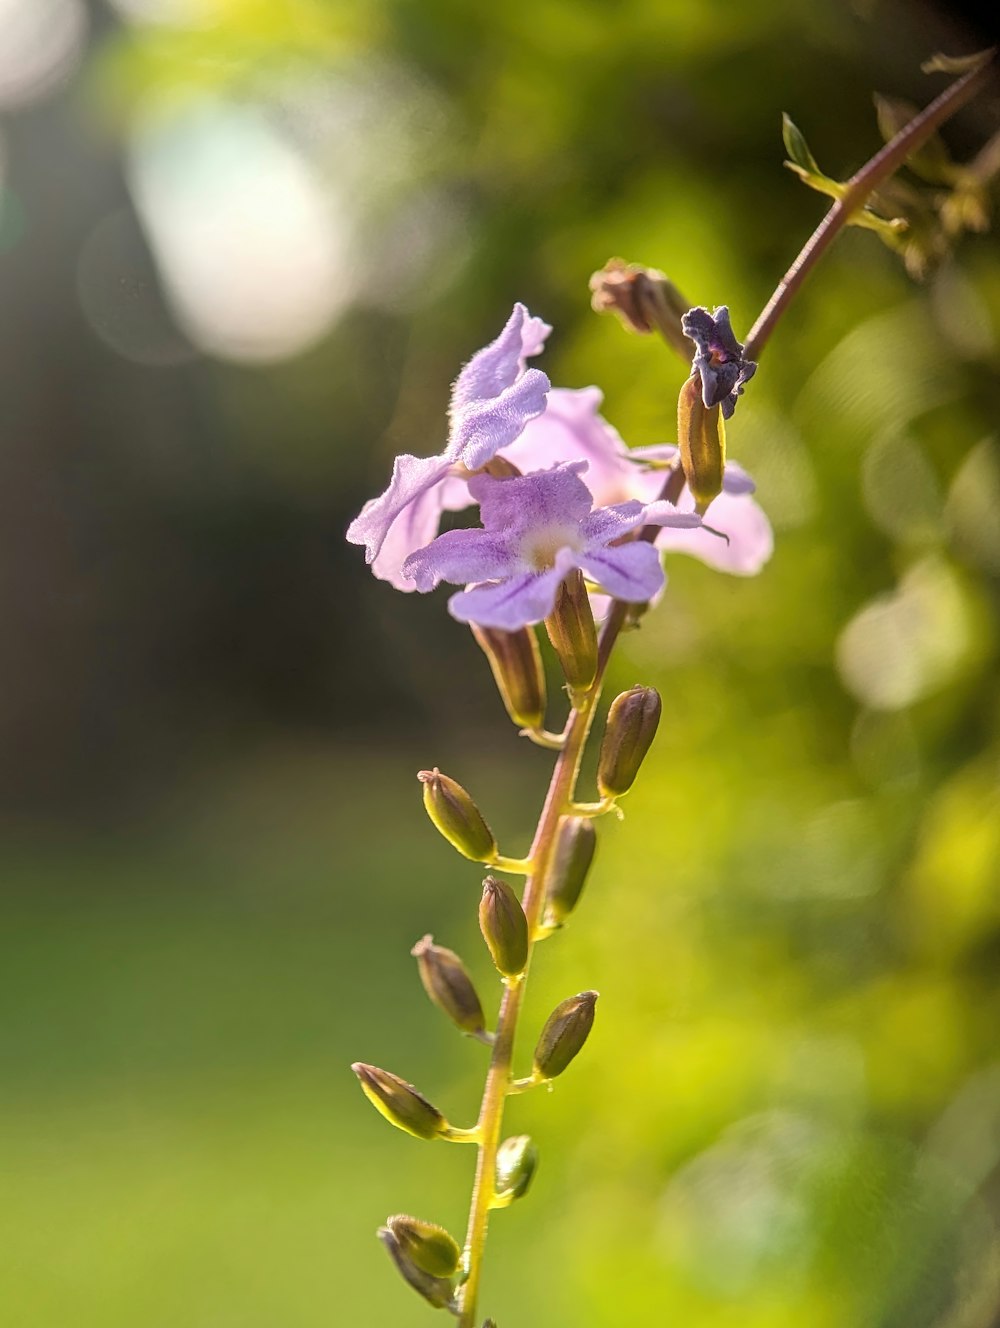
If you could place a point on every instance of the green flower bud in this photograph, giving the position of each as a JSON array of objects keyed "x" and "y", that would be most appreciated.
[
  {"x": 516, "y": 664},
  {"x": 565, "y": 1032},
  {"x": 504, "y": 926},
  {"x": 457, "y": 816},
  {"x": 701, "y": 434},
  {"x": 517, "y": 1161},
  {"x": 633, "y": 719},
  {"x": 571, "y": 630},
  {"x": 572, "y": 854},
  {"x": 438, "y": 1291},
  {"x": 430, "y": 1247},
  {"x": 399, "y": 1102},
  {"x": 449, "y": 986}
]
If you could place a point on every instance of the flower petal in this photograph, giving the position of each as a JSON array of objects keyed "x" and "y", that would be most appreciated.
[
  {"x": 411, "y": 477},
  {"x": 570, "y": 429},
  {"x": 555, "y": 497},
  {"x": 461, "y": 556},
  {"x": 667, "y": 514},
  {"x": 480, "y": 429},
  {"x": 611, "y": 523},
  {"x": 495, "y": 396},
  {"x": 631, "y": 572},
  {"x": 512, "y": 604},
  {"x": 751, "y": 541},
  {"x": 416, "y": 526}
]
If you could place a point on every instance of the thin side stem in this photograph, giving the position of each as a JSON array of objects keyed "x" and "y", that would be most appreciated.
[
  {"x": 558, "y": 801},
  {"x": 859, "y": 189}
]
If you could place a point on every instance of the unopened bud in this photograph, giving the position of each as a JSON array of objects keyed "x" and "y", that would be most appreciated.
[
  {"x": 516, "y": 665},
  {"x": 430, "y": 1247},
  {"x": 457, "y": 816},
  {"x": 565, "y": 1032},
  {"x": 701, "y": 434},
  {"x": 504, "y": 926},
  {"x": 632, "y": 723},
  {"x": 572, "y": 854},
  {"x": 517, "y": 1161},
  {"x": 399, "y": 1102},
  {"x": 643, "y": 298},
  {"x": 571, "y": 630},
  {"x": 448, "y": 985},
  {"x": 438, "y": 1291}
]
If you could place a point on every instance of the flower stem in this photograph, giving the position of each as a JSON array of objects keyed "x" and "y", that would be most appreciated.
[
  {"x": 859, "y": 188},
  {"x": 558, "y": 801}
]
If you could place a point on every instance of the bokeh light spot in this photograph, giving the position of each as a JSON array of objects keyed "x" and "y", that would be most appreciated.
[{"x": 41, "y": 42}]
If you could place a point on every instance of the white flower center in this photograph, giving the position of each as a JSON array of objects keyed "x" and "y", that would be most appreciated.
[{"x": 540, "y": 546}]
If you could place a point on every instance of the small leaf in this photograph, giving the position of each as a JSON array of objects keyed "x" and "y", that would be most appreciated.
[{"x": 797, "y": 147}]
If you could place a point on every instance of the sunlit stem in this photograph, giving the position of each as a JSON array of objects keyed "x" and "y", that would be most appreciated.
[
  {"x": 516, "y": 866},
  {"x": 453, "y": 1135},
  {"x": 559, "y": 801},
  {"x": 522, "y": 1085},
  {"x": 543, "y": 738},
  {"x": 859, "y": 189},
  {"x": 594, "y": 809}
]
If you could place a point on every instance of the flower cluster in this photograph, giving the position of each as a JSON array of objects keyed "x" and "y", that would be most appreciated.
[{"x": 557, "y": 490}]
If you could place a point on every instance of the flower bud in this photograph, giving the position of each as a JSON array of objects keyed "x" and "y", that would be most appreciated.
[
  {"x": 517, "y": 1161},
  {"x": 516, "y": 665},
  {"x": 643, "y": 298},
  {"x": 430, "y": 1247},
  {"x": 572, "y": 854},
  {"x": 632, "y": 723},
  {"x": 438, "y": 1291},
  {"x": 571, "y": 630},
  {"x": 701, "y": 434},
  {"x": 457, "y": 816},
  {"x": 399, "y": 1102},
  {"x": 564, "y": 1034},
  {"x": 449, "y": 986},
  {"x": 504, "y": 926}
]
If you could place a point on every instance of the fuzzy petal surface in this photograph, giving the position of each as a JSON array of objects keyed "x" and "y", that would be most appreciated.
[
  {"x": 631, "y": 572},
  {"x": 411, "y": 478},
  {"x": 510, "y": 605}
]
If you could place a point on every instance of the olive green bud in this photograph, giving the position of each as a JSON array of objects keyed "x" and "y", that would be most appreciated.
[
  {"x": 571, "y": 630},
  {"x": 457, "y": 816},
  {"x": 449, "y": 986},
  {"x": 517, "y": 1161},
  {"x": 438, "y": 1291},
  {"x": 516, "y": 664},
  {"x": 572, "y": 855},
  {"x": 504, "y": 926},
  {"x": 430, "y": 1247},
  {"x": 633, "y": 719},
  {"x": 400, "y": 1103},
  {"x": 701, "y": 434},
  {"x": 565, "y": 1032}
]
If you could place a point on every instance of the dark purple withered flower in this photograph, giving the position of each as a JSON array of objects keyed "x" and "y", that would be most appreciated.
[{"x": 720, "y": 360}]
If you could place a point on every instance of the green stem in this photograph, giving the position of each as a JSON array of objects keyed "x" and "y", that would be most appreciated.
[
  {"x": 558, "y": 801},
  {"x": 859, "y": 189}
]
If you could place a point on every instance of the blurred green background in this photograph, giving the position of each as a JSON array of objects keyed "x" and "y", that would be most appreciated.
[{"x": 244, "y": 247}]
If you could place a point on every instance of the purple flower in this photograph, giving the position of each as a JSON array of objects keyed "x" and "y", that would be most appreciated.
[
  {"x": 492, "y": 400},
  {"x": 571, "y": 428},
  {"x": 720, "y": 359},
  {"x": 537, "y": 528}
]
